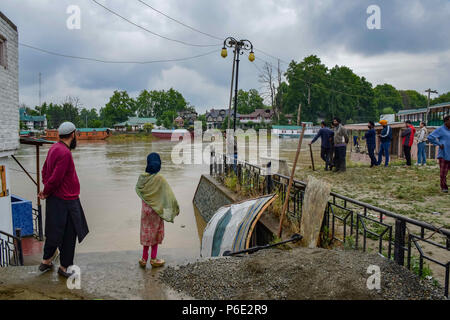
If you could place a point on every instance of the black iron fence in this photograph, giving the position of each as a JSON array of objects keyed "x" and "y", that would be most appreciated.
[
  {"x": 37, "y": 223},
  {"x": 353, "y": 223},
  {"x": 11, "y": 253}
]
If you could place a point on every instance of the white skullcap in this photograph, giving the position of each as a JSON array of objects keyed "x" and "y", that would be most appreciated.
[{"x": 66, "y": 128}]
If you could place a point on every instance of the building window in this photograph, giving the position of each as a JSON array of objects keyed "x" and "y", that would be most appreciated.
[{"x": 3, "y": 59}]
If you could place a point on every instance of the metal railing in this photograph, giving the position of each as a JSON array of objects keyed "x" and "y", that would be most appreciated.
[
  {"x": 351, "y": 222},
  {"x": 37, "y": 223},
  {"x": 11, "y": 253}
]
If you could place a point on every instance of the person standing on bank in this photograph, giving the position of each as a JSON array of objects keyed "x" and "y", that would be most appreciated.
[
  {"x": 441, "y": 138},
  {"x": 64, "y": 216},
  {"x": 408, "y": 140},
  {"x": 421, "y": 144},
  {"x": 158, "y": 204},
  {"x": 370, "y": 142},
  {"x": 325, "y": 136},
  {"x": 385, "y": 138},
  {"x": 340, "y": 145}
]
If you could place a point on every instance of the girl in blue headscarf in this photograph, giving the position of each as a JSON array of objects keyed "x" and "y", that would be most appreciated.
[{"x": 158, "y": 204}]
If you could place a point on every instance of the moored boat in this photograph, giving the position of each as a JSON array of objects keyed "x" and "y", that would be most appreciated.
[
  {"x": 169, "y": 133},
  {"x": 295, "y": 131},
  {"x": 82, "y": 134}
]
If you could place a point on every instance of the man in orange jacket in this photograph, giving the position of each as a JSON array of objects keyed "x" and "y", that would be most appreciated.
[{"x": 408, "y": 140}]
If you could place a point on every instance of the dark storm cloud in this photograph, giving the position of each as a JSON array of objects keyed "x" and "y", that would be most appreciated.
[
  {"x": 290, "y": 29},
  {"x": 407, "y": 26}
]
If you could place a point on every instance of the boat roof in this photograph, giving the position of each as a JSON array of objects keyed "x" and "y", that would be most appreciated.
[
  {"x": 134, "y": 121},
  {"x": 290, "y": 127},
  {"x": 92, "y": 129}
]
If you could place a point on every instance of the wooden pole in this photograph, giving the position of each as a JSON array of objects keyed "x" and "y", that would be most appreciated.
[
  {"x": 286, "y": 200},
  {"x": 312, "y": 158}
]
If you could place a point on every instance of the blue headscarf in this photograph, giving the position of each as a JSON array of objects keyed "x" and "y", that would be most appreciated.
[{"x": 153, "y": 163}]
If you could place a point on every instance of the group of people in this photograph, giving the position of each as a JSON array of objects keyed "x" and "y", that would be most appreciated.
[
  {"x": 333, "y": 149},
  {"x": 64, "y": 217},
  {"x": 334, "y": 145}
]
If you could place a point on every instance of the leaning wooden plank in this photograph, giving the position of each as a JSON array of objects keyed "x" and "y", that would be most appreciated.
[{"x": 314, "y": 204}]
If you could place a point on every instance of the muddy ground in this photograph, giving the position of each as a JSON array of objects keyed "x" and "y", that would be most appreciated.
[{"x": 295, "y": 274}]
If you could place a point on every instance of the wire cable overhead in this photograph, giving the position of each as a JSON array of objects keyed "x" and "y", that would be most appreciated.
[
  {"x": 180, "y": 22},
  {"x": 152, "y": 32},
  {"x": 113, "y": 61}
]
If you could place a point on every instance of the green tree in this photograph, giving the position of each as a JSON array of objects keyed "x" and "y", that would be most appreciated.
[
  {"x": 148, "y": 127},
  {"x": 412, "y": 99},
  {"x": 249, "y": 101},
  {"x": 387, "y": 110},
  {"x": 118, "y": 109},
  {"x": 88, "y": 118},
  {"x": 386, "y": 96},
  {"x": 443, "y": 98},
  {"x": 307, "y": 86},
  {"x": 202, "y": 118},
  {"x": 154, "y": 103}
]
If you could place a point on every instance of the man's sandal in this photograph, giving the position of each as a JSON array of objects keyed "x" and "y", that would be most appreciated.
[
  {"x": 44, "y": 267},
  {"x": 65, "y": 274},
  {"x": 157, "y": 262},
  {"x": 142, "y": 263}
]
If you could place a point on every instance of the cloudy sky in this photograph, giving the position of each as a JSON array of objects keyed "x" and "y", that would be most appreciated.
[{"x": 410, "y": 51}]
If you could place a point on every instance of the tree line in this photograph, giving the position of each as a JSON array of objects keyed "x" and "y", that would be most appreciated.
[
  {"x": 323, "y": 93},
  {"x": 159, "y": 104}
]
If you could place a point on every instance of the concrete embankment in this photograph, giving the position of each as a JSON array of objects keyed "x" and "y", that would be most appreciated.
[{"x": 110, "y": 275}]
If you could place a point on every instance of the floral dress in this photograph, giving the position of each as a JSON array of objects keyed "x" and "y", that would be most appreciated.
[{"x": 152, "y": 226}]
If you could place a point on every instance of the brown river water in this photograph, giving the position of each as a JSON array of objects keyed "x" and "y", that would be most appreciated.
[{"x": 108, "y": 172}]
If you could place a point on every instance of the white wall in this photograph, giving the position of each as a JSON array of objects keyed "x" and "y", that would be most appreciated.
[
  {"x": 9, "y": 113},
  {"x": 9, "y": 92},
  {"x": 5, "y": 203}
]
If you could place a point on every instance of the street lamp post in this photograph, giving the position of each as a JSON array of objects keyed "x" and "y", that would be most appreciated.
[{"x": 239, "y": 47}]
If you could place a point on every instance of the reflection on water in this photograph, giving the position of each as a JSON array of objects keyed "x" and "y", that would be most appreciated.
[{"x": 108, "y": 172}]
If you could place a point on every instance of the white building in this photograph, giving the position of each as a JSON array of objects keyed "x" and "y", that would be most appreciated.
[{"x": 9, "y": 111}]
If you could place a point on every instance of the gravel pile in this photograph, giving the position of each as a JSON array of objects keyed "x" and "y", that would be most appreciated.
[{"x": 295, "y": 275}]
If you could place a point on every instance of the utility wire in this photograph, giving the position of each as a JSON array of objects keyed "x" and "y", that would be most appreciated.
[
  {"x": 179, "y": 22},
  {"x": 154, "y": 33},
  {"x": 322, "y": 87},
  {"x": 311, "y": 71},
  {"x": 112, "y": 61}
]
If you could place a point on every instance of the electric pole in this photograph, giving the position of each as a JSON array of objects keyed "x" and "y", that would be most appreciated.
[{"x": 428, "y": 104}]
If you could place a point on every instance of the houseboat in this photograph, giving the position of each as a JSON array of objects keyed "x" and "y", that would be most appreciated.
[
  {"x": 169, "y": 133},
  {"x": 295, "y": 131},
  {"x": 82, "y": 134}
]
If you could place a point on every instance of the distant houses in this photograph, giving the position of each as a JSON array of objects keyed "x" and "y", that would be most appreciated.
[
  {"x": 134, "y": 123},
  {"x": 32, "y": 122},
  {"x": 215, "y": 118},
  {"x": 188, "y": 117},
  {"x": 435, "y": 116},
  {"x": 257, "y": 116}
]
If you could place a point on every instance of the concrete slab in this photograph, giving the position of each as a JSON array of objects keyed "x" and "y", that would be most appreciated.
[{"x": 111, "y": 275}]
